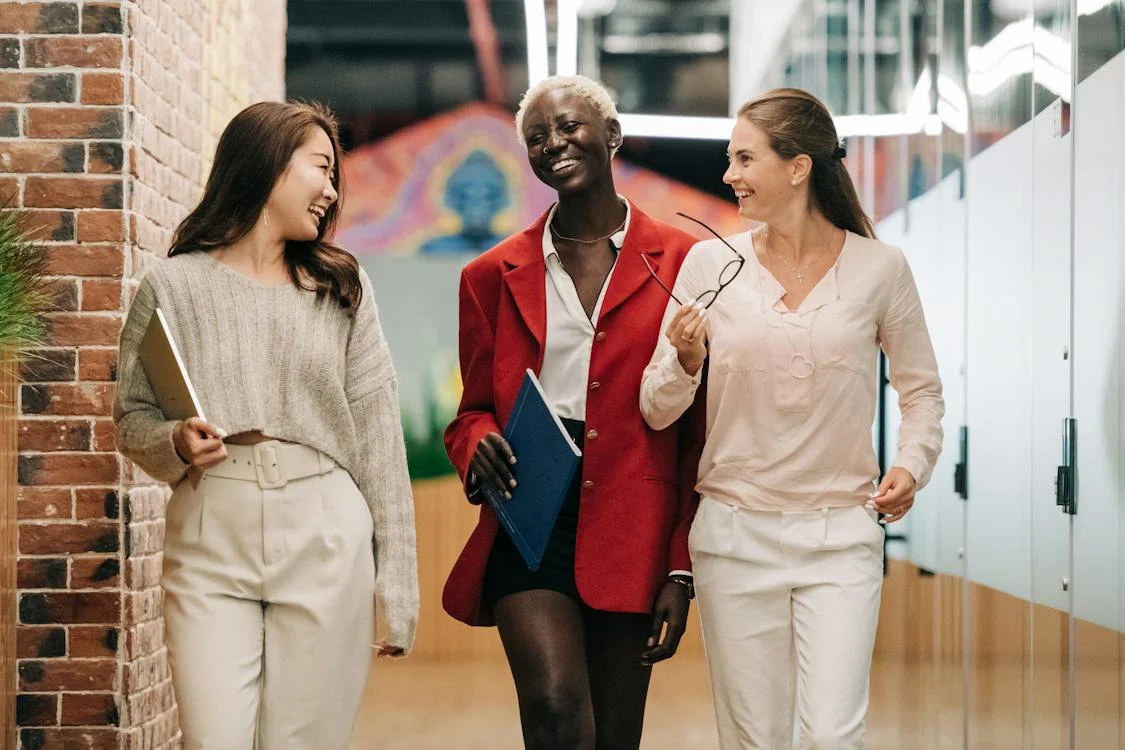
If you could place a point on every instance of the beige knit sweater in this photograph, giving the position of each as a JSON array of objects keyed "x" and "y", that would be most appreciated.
[{"x": 274, "y": 359}]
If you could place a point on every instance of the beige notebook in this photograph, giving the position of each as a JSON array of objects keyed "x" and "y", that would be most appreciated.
[{"x": 166, "y": 371}]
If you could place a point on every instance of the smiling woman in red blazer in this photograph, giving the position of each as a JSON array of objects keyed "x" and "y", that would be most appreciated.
[{"x": 572, "y": 298}]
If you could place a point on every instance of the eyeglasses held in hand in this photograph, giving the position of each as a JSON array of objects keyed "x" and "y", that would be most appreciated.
[{"x": 726, "y": 276}]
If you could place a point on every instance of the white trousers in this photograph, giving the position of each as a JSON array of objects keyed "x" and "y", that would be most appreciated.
[
  {"x": 269, "y": 611},
  {"x": 789, "y": 603}
]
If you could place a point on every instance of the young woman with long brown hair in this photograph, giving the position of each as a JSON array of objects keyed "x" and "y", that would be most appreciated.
[
  {"x": 786, "y": 545},
  {"x": 270, "y": 577}
]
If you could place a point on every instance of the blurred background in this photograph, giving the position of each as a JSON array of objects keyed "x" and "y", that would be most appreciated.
[{"x": 987, "y": 137}]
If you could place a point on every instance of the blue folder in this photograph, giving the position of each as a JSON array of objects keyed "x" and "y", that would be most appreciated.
[{"x": 546, "y": 458}]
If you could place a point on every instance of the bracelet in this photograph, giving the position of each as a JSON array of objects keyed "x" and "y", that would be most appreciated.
[{"x": 686, "y": 581}]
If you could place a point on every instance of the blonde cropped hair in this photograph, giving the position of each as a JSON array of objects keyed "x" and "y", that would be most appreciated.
[{"x": 587, "y": 88}]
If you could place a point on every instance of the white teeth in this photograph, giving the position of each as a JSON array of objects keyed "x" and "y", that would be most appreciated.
[{"x": 563, "y": 164}]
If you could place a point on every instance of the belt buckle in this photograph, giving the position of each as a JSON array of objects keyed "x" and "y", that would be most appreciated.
[{"x": 267, "y": 456}]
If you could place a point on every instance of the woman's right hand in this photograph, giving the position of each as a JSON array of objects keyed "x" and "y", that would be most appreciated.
[
  {"x": 688, "y": 334},
  {"x": 492, "y": 463},
  {"x": 199, "y": 444}
]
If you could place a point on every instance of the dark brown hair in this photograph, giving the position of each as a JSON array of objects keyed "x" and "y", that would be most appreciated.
[
  {"x": 796, "y": 123},
  {"x": 253, "y": 153}
]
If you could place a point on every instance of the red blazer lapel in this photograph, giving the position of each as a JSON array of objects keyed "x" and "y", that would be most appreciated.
[
  {"x": 525, "y": 275},
  {"x": 630, "y": 273}
]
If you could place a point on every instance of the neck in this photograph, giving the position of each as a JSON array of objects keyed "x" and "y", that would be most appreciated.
[
  {"x": 260, "y": 251},
  {"x": 802, "y": 238},
  {"x": 591, "y": 213}
]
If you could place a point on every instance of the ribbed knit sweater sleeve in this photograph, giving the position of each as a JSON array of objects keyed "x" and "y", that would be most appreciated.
[
  {"x": 143, "y": 434},
  {"x": 372, "y": 393}
]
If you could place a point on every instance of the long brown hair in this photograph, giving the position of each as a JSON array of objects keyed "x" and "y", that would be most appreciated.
[
  {"x": 253, "y": 153},
  {"x": 799, "y": 123}
]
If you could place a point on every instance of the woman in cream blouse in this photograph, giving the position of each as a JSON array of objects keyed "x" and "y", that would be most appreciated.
[{"x": 787, "y": 545}]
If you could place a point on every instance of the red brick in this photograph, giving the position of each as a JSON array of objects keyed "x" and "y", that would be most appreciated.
[
  {"x": 72, "y": 192},
  {"x": 66, "y": 608},
  {"x": 70, "y": 739},
  {"x": 75, "y": 122},
  {"x": 80, "y": 329},
  {"x": 9, "y": 52},
  {"x": 101, "y": 226},
  {"x": 95, "y": 572},
  {"x": 42, "y": 156},
  {"x": 106, "y": 157},
  {"x": 9, "y": 117},
  {"x": 39, "y": 18},
  {"x": 103, "y": 88},
  {"x": 101, "y": 18},
  {"x": 86, "y": 260},
  {"x": 40, "y": 642},
  {"x": 73, "y": 51},
  {"x": 101, "y": 295},
  {"x": 93, "y": 641},
  {"x": 46, "y": 435},
  {"x": 63, "y": 295},
  {"x": 50, "y": 225},
  {"x": 66, "y": 399},
  {"x": 22, "y": 88},
  {"x": 9, "y": 190},
  {"x": 48, "y": 365},
  {"x": 41, "y": 573},
  {"x": 57, "y": 676},
  {"x": 67, "y": 538},
  {"x": 67, "y": 468},
  {"x": 89, "y": 710},
  {"x": 105, "y": 436},
  {"x": 97, "y": 365},
  {"x": 43, "y": 503},
  {"x": 97, "y": 502},
  {"x": 37, "y": 710}
]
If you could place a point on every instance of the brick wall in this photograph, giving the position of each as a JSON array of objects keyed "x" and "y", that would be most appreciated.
[{"x": 109, "y": 112}]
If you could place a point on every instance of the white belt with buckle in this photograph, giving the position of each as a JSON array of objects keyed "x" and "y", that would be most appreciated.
[{"x": 272, "y": 463}]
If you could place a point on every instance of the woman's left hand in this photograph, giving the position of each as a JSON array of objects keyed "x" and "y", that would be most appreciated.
[
  {"x": 895, "y": 496},
  {"x": 671, "y": 609}
]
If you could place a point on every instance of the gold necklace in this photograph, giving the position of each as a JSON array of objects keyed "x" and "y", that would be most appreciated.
[{"x": 562, "y": 236}]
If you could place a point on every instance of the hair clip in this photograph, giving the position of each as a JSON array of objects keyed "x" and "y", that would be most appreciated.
[{"x": 840, "y": 152}]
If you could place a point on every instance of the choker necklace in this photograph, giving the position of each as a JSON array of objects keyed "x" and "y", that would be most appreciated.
[{"x": 562, "y": 236}]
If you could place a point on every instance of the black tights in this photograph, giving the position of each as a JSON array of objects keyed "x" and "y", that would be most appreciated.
[{"x": 578, "y": 672}]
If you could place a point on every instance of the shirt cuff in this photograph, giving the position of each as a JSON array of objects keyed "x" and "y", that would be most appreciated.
[{"x": 681, "y": 573}]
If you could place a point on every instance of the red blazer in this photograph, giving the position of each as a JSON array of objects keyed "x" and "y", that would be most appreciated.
[{"x": 638, "y": 496}]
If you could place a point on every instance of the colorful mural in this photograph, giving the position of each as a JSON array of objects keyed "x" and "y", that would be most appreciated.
[{"x": 426, "y": 200}]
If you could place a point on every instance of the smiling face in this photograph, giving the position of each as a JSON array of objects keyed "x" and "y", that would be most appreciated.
[
  {"x": 306, "y": 191},
  {"x": 569, "y": 145},
  {"x": 763, "y": 182}
]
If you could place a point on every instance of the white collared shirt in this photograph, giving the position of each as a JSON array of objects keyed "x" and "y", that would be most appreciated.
[{"x": 570, "y": 334}]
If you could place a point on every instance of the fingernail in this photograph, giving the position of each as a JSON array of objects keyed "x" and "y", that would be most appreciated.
[
  {"x": 221, "y": 432},
  {"x": 512, "y": 460},
  {"x": 874, "y": 494},
  {"x": 512, "y": 482},
  {"x": 651, "y": 643},
  {"x": 508, "y": 495}
]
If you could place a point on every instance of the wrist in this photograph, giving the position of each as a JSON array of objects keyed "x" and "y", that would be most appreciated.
[
  {"x": 177, "y": 440},
  {"x": 690, "y": 366},
  {"x": 686, "y": 581}
]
